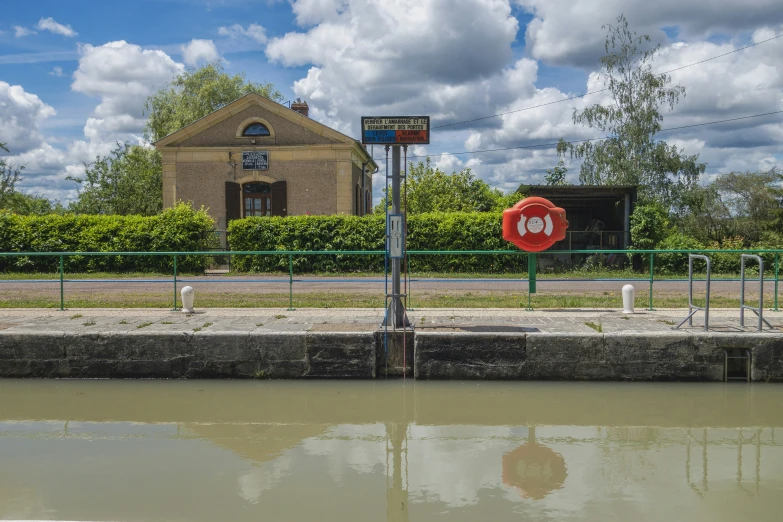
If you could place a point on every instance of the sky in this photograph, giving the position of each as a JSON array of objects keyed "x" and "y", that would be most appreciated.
[{"x": 74, "y": 74}]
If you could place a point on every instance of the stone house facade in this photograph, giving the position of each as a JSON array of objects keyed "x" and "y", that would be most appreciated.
[{"x": 255, "y": 157}]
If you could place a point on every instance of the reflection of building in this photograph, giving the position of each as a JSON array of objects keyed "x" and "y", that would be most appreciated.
[{"x": 255, "y": 157}]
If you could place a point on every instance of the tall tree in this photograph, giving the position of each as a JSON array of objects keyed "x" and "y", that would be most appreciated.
[
  {"x": 557, "y": 175},
  {"x": 432, "y": 190},
  {"x": 30, "y": 204},
  {"x": 9, "y": 176},
  {"x": 631, "y": 155},
  {"x": 195, "y": 93},
  {"x": 127, "y": 181},
  {"x": 736, "y": 204}
]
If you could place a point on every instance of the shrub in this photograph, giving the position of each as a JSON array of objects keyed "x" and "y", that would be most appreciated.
[
  {"x": 677, "y": 263},
  {"x": 435, "y": 231},
  {"x": 649, "y": 226},
  {"x": 729, "y": 262},
  {"x": 175, "y": 229}
]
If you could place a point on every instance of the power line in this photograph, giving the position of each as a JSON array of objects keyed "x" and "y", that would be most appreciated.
[
  {"x": 602, "y": 90},
  {"x": 554, "y": 144}
]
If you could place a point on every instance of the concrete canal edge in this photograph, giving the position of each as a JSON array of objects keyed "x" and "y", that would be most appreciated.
[{"x": 454, "y": 355}]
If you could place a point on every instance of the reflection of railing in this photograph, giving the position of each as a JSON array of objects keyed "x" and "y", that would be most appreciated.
[
  {"x": 703, "y": 443},
  {"x": 288, "y": 256}
]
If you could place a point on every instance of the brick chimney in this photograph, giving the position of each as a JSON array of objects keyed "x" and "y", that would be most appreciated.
[{"x": 300, "y": 107}]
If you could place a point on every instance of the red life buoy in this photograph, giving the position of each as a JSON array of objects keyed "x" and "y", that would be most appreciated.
[{"x": 534, "y": 224}]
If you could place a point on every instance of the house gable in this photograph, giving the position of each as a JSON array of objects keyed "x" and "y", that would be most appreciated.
[
  {"x": 221, "y": 128},
  {"x": 284, "y": 131}
]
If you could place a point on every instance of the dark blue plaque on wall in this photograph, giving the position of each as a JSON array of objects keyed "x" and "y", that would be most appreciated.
[{"x": 255, "y": 160}]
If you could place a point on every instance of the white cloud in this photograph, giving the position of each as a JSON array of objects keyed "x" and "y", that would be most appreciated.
[
  {"x": 397, "y": 56},
  {"x": 199, "y": 51},
  {"x": 20, "y": 114},
  {"x": 459, "y": 60},
  {"x": 568, "y": 33},
  {"x": 312, "y": 12},
  {"x": 123, "y": 75},
  {"x": 20, "y": 31},
  {"x": 253, "y": 31},
  {"x": 48, "y": 24},
  {"x": 741, "y": 84},
  {"x": 57, "y": 71}
]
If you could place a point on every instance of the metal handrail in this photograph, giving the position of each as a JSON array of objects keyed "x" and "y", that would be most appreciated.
[
  {"x": 760, "y": 310},
  {"x": 291, "y": 253},
  {"x": 692, "y": 308}
]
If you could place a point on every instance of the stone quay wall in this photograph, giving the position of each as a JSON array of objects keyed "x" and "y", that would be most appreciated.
[{"x": 676, "y": 356}]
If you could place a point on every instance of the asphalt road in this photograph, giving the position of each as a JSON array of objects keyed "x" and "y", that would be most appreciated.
[{"x": 364, "y": 285}]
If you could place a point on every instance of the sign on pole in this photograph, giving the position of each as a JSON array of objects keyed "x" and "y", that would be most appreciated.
[
  {"x": 396, "y": 236},
  {"x": 396, "y": 130}
]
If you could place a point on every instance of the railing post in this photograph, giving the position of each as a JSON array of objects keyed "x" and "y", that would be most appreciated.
[
  {"x": 777, "y": 266},
  {"x": 532, "y": 261},
  {"x": 290, "y": 281},
  {"x": 62, "y": 290},
  {"x": 408, "y": 273},
  {"x": 652, "y": 278},
  {"x": 174, "y": 308}
]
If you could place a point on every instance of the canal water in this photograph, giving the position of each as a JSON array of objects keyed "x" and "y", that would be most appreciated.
[{"x": 345, "y": 451}]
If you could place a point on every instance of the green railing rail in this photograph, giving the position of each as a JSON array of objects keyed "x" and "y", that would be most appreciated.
[{"x": 291, "y": 253}]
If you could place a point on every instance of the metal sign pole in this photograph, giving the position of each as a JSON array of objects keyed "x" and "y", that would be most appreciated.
[
  {"x": 396, "y": 309},
  {"x": 395, "y": 131}
]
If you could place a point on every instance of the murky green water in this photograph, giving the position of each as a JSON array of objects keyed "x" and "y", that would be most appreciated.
[{"x": 345, "y": 451}]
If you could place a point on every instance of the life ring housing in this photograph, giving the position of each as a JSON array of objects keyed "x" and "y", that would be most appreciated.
[{"x": 534, "y": 224}]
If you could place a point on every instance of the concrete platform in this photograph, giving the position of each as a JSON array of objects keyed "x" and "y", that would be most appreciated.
[{"x": 349, "y": 343}]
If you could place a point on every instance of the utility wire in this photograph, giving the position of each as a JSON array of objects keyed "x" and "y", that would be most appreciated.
[
  {"x": 554, "y": 144},
  {"x": 602, "y": 90}
]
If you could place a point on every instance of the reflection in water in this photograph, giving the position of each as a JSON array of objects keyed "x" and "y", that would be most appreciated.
[
  {"x": 744, "y": 440},
  {"x": 241, "y": 451},
  {"x": 396, "y": 489},
  {"x": 534, "y": 469}
]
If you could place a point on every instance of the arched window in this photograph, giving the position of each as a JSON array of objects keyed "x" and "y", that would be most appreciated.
[
  {"x": 256, "y": 129},
  {"x": 257, "y": 198}
]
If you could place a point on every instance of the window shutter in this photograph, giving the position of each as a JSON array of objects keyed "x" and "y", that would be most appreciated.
[
  {"x": 279, "y": 199},
  {"x": 233, "y": 201}
]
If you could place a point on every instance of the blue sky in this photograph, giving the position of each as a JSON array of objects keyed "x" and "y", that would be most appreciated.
[{"x": 74, "y": 74}]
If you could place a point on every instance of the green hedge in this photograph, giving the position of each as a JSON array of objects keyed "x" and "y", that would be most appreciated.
[
  {"x": 176, "y": 229},
  {"x": 720, "y": 262},
  {"x": 437, "y": 231}
]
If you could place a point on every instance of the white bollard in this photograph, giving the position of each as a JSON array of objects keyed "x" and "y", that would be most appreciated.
[
  {"x": 629, "y": 293},
  {"x": 187, "y": 299}
]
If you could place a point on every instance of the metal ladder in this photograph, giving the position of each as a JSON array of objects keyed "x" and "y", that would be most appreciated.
[
  {"x": 760, "y": 310},
  {"x": 692, "y": 308}
]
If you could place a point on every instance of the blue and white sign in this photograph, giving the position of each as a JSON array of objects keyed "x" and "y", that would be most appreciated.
[
  {"x": 396, "y": 130},
  {"x": 395, "y": 236}
]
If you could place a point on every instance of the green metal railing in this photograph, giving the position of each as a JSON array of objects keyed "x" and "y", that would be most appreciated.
[{"x": 411, "y": 253}]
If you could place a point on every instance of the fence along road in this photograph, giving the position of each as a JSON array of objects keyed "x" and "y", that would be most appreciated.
[{"x": 258, "y": 285}]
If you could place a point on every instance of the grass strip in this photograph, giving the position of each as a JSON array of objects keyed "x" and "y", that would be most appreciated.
[{"x": 355, "y": 300}]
